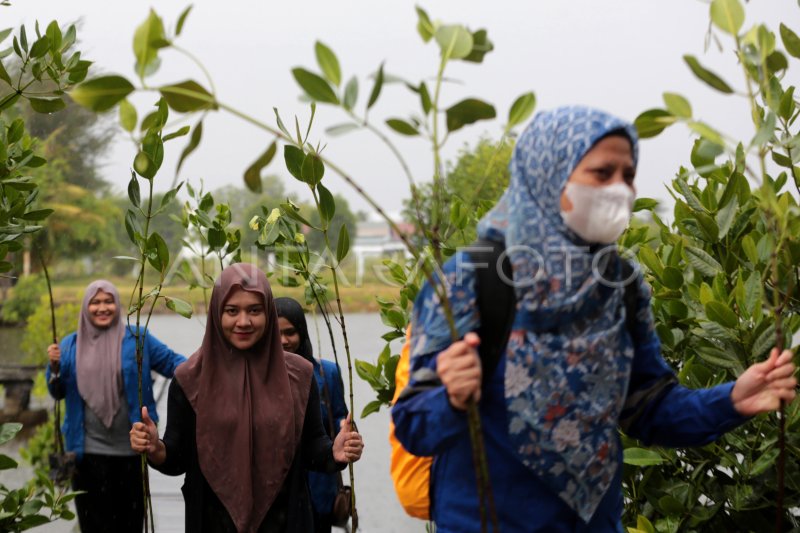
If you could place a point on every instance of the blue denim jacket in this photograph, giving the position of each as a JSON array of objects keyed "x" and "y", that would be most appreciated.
[{"x": 157, "y": 356}]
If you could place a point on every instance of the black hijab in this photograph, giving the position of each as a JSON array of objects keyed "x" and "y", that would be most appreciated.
[{"x": 291, "y": 310}]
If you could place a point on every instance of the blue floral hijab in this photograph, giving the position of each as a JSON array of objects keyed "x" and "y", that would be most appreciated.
[{"x": 569, "y": 355}]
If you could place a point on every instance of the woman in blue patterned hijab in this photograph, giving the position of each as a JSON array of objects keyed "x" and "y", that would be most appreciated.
[{"x": 552, "y": 408}]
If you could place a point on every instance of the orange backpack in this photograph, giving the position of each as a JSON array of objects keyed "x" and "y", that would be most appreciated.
[{"x": 411, "y": 474}]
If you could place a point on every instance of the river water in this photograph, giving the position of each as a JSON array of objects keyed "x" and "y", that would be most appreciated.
[{"x": 378, "y": 508}]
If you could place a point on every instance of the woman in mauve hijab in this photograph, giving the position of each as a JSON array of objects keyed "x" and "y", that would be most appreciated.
[
  {"x": 96, "y": 371},
  {"x": 243, "y": 420}
]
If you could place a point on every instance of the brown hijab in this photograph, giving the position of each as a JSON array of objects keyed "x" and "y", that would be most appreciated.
[
  {"x": 98, "y": 357},
  {"x": 250, "y": 405}
]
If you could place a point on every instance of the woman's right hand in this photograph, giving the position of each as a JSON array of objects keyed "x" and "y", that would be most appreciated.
[
  {"x": 144, "y": 439},
  {"x": 54, "y": 354},
  {"x": 459, "y": 368}
]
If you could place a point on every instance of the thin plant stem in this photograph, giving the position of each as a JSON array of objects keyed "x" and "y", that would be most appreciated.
[{"x": 148, "y": 508}]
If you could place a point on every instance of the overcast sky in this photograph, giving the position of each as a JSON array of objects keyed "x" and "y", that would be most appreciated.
[{"x": 620, "y": 55}]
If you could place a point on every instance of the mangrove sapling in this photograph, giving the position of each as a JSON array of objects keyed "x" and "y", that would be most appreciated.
[
  {"x": 46, "y": 67},
  {"x": 725, "y": 280},
  {"x": 62, "y": 464},
  {"x": 153, "y": 251}
]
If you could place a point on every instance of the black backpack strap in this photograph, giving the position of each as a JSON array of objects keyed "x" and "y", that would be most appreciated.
[
  {"x": 631, "y": 295},
  {"x": 496, "y": 300},
  {"x": 637, "y": 402}
]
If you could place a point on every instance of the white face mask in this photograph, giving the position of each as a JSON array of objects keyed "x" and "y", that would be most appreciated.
[{"x": 599, "y": 214}]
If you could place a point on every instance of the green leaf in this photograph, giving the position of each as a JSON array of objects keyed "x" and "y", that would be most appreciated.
[
  {"x": 753, "y": 292},
  {"x": 649, "y": 258},
  {"x": 7, "y": 463},
  {"x": 376, "y": 88},
  {"x": 313, "y": 169},
  {"x": 454, "y": 41},
  {"x": 707, "y": 132},
  {"x": 147, "y": 39},
  {"x": 678, "y": 105},
  {"x": 293, "y": 212},
  {"x": 182, "y": 20},
  {"x": 144, "y": 166},
  {"x": 157, "y": 252},
  {"x": 402, "y": 127},
  {"x": 153, "y": 146},
  {"x": 188, "y": 96},
  {"x": 280, "y": 123},
  {"x": 23, "y": 38},
  {"x": 341, "y": 129},
  {"x": 764, "y": 461},
  {"x": 726, "y": 216},
  {"x": 8, "y": 431},
  {"x": 127, "y": 116},
  {"x": 644, "y": 204},
  {"x": 315, "y": 86},
  {"x": 672, "y": 278},
  {"x": 467, "y": 112},
  {"x": 764, "y": 342},
  {"x": 169, "y": 196},
  {"x": 425, "y": 98},
  {"x": 343, "y": 243},
  {"x": 790, "y": 41},
  {"x": 749, "y": 248},
  {"x": 521, "y": 109},
  {"x": 721, "y": 314},
  {"x": 37, "y": 215},
  {"x": 372, "y": 407},
  {"x": 4, "y": 74},
  {"x": 9, "y": 100},
  {"x": 641, "y": 457},
  {"x": 702, "y": 262},
  {"x": 179, "y": 306},
  {"x": 47, "y": 105},
  {"x": 727, "y": 15},
  {"x": 424, "y": 25},
  {"x": 216, "y": 238},
  {"x": 481, "y": 45},
  {"x": 177, "y": 133},
  {"x": 686, "y": 191},
  {"x": 5, "y": 33},
  {"x": 101, "y": 94},
  {"x": 776, "y": 62},
  {"x": 15, "y": 131},
  {"x": 327, "y": 205},
  {"x": 134, "y": 193},
  {"x": 294, "y": 157},
  {"x": 252, "y": 176},
  {"x": 328, "y": 63},
  {"x": 40, "y": 47},
  {"x": 652, "y": 122},
  {"x": 350, "y": 93},
  {"x": 191, "y": 146},
  {"x": 706, "y": 75}
]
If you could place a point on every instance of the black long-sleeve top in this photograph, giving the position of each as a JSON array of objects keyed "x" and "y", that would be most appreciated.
[{"x": 205, "y": 513}]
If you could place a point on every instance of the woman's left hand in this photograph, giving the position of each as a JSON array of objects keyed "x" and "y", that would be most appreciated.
[
  {"x": 763, "y": 386},
  {"x": 347, "y": 446}
]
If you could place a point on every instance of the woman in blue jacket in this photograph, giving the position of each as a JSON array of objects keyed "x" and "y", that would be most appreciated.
[
  {"x": 95, "y": 370},
  {"x": 574, "y": 369},
  {"x": 294, "y": 338}
]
